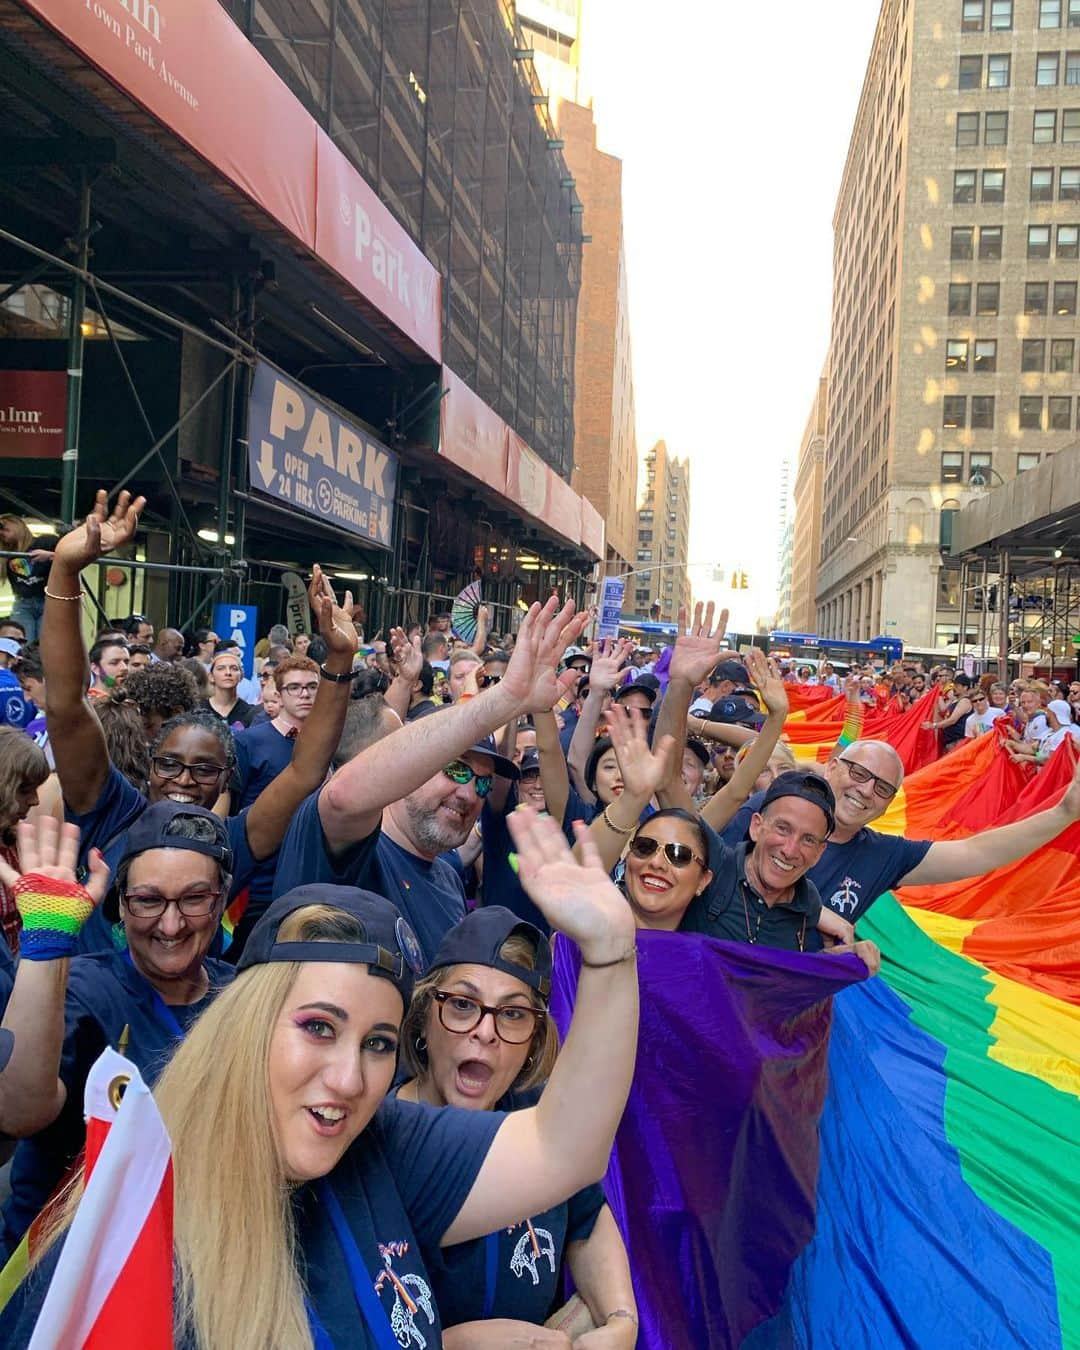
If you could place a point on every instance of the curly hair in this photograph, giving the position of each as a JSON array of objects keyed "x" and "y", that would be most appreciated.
[
  {"x": 291, "y": 663},
  {"x": 125, "y": 737},
  {"x": 23, "y": 767},
  {"x": 164, "y": 689},
  {"x": 205, "y": 721}
]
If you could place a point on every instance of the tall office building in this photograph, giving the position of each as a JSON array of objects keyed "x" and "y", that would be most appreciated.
[
  {"x": 953, "y": 353},
  {"x": 663, "y": 538},
  {"x": 806, "y": 535},
  {"x": 785, "y": 549}
]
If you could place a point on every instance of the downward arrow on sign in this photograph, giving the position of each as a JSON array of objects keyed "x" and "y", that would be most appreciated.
[{"x": 266, "y": 464}]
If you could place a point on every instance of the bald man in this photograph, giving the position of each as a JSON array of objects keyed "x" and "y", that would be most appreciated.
[
  {"x": 169, "y": 645},
  {"x": 859, "y": 863}
]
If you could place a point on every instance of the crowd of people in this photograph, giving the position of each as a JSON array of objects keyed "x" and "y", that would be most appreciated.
[{"x": 319, "y": 909}]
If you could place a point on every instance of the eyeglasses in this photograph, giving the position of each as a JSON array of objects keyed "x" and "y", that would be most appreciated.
[
  {"x": 678, "y": 855},
  {"x": 514, "y": 1022},
  {"x": 166, "y": 767},
  {"x": 858, "y": 774},
  {"x": 460, "y": 773},
  {"x": 264, "y": 675},
  {"x": 152, "y": 904},
  {"x": 294, "y": 690}
]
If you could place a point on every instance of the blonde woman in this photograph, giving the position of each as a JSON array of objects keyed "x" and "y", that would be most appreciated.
[
  {"x": 303, "y": 1199},
  {"x": 478, "y": 1035},
  {"x": 26, "y": 574}
]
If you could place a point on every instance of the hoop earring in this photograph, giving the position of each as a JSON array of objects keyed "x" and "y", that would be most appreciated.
[{"x": 420, "y": 1044}]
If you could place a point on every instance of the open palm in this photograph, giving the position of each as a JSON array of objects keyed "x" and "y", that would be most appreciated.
[
  {"x": 644, "y": 770},
  {"x": 699, "y": 648},
  {"x": 102, "y": 531},
  {"x": 335, "y": 624}
]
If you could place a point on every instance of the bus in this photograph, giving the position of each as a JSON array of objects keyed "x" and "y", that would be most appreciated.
[{"x": 809, "y": 646}]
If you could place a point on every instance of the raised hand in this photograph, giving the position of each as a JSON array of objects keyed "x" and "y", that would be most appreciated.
[
  {"x": 609, "y": 657},
  {"x": 644, "y": 771},
  {"x": 53, "y": 905},
  {"x": 335, "y": 623},
  {"x": 407, "y": 657},
  {"x": 698, "y": 649},
  {"x": 578, "y": 899},
  {"x": 101, "y": 532},
  {"x": 765, "y": 675},
  {"x": 525, "y": 667},
  {"x": 548, "y": 687}
]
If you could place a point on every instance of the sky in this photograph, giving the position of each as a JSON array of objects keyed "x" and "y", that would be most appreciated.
[{"x": 733, "y": 122}]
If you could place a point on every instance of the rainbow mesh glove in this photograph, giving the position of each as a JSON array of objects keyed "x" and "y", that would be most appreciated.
[{"x": 53, "y": 914}]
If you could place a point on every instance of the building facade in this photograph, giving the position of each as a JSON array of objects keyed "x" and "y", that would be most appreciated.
[
  {"x": 785, "y": 549},
  {"x": 806, "y": 535},
  {"x": 953, "y": 353},
  {"x": 661, "y": 585}
]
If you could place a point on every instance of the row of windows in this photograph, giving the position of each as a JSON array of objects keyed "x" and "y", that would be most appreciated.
[
  {"x": 1039, "y": 299},
  {"x": 962, "y": 241},
  {"x": 995, "y": 71},
  {"x": 993, "y": 185},
  {"x": 1036, "y": 413},
  {"x": 1050, "y": 68},
  {"x": 979, "y": 465},
  {"x": 987, "y": 296},
  {"x": 1040, "y": 185},
  {"x": 995, "y": 127},
  {"x": 980, "y": 355},
  {"x": 1052, "y": 14}
]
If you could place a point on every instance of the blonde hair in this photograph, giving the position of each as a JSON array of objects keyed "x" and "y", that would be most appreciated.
[
  {"x": 543, "y": 1048},
  {"x": 233, "y": 1225},
  {"x": 25, "y": 540}
]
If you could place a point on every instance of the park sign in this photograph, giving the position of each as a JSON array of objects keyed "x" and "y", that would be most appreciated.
[{"x": 305, "y": 453}]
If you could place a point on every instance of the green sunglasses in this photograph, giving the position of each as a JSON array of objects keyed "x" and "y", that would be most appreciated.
[{"x": 459, "y": 772}]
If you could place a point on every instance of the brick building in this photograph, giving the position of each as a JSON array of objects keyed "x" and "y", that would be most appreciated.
[{"x": 663, "y": 538}]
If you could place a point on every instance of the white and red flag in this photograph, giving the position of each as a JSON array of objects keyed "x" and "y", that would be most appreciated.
[{"x": 113, "y": 1283}]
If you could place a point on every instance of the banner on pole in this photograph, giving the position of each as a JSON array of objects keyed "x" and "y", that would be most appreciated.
[{"x": 611, "y": 602}]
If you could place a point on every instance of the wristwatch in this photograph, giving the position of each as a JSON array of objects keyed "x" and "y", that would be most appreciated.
[{"x": 345, "y": 677}]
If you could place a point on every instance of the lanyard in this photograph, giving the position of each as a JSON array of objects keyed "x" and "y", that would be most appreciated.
[
  {"x": 164, "y": 1013},
  {"x": 367, "y": 1300},
  {"x": 491, "y": 1273}
]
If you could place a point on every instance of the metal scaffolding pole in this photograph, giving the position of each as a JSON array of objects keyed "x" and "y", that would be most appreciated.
[
  {"x": 73, "y": 409},
  {"x": 962, "y": 645},
  {"x": 1003, "y": 615}
]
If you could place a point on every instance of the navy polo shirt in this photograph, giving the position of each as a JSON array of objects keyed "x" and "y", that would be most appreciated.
[
  {"x": 850, "y": 876},
  {"x": 731, "y": 909},
  {"x": 429, "y": 894},
  {"x": 118, "y": 806},
  {"x": 106, "y": 995}
]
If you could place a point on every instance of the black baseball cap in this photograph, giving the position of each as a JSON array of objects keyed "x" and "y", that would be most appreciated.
[
  {"x": 699, "y": 748},
  {"x": 734, "y": 671},
  {"x": 637, "y": 687},
  {"x": 171, "y": 825},
  {"x": 810, "y": 786},
  {"x": 478, "y": 939},
  {"x": 389, "y": 947},
  {"x": 735, "y": 711},
  {"x": 530, "y": 761},
  {"x": 504, "y": 768}
]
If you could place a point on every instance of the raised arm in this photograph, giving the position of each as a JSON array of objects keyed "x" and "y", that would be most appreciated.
[
  {"x": 554, "y": 776},
  {"x": 78, "y": 745},
  {"x": 601, "y": 1272},
  {"x": 542, "y": 1156},
  {"x": 609, "y": 658},
  {"x": 407, "y": 660},
  {"x": 722, "y": 806},
  {"x": 645, "y": 772},
  {"x": 955, "y": 859},
  {"x": 54, "y": 909},
  {"x": 483, "y": 628}
]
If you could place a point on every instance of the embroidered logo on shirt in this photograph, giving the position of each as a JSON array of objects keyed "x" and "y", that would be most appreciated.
[
  {"x": 845, "y": 898},
  {"x": 532, "y": 1247},
  {"x": 406, "y": 1304}
]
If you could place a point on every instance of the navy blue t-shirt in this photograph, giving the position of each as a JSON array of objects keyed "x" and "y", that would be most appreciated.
[
  {"x": 119, "y": 806},
  {"x": 105, "y": 996},
  {"x": 850, "y": 876},
  {"x": 16, "y": 710},
  {"x": 501, "y": 884},
  {"x": 261, "y": 754},
  {"x": 429, "y": 894}
]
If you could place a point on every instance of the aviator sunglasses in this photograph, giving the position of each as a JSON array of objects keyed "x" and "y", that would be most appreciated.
[{"x": 679, "y": 855}]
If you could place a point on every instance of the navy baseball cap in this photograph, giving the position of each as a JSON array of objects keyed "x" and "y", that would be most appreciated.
[
  {"x": 698, "y": 748},
  {"x": 735, "y": 711},
  {"x": 478, "y": 939},
  {"x": 734, "y": 671},
  {"x": 639, "y": 687},
  {"x": 504, "y": 768},
  {"x": 530, "y": 761},
  {"x": 807, "y": 785},
  {"x": 171, "y": 825},
  {"x": 388, "y": 948}
]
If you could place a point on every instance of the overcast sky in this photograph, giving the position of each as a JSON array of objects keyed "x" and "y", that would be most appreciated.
[{"x": 733, "y": 123}]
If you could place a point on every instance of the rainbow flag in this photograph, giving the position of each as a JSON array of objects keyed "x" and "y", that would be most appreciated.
[{"x": 812, "y": 741}]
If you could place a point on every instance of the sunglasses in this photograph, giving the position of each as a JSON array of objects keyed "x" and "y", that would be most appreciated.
[
  {"x": 460, "y": 773},
  {"x": 678, "y": 855}
]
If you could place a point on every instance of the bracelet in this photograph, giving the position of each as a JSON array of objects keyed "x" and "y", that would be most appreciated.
[
  {"x": 615, "y": 829},
  {"x": 622, "y": 1312},
  {"x": 631, "y": 955},
  {"x": 65, "y": 597},
  {"x": 346, "y": 677}
]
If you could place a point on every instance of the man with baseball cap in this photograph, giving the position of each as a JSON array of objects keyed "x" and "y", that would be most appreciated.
[
  {"x": 720, "y": 683},
  {"x": 169, "y": 890},
  {"x": 16, "y": 710}
]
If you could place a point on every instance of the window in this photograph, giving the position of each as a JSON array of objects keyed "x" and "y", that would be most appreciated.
[
  {"x": 1031, "y": 412},
  {"x": 970, "y": 76},
  {"x": 1033, "y": 354},
  {"x": 1069, "y": 185},
  {"x": 952, "y": 466},
  {"x": 1074, "y": 13},
  {"x": 996, "y": 128},
  {"x": 1070, "y": 126},
  {"x": 1042, "y": 190},
  {"x": 959, "y": 297},
  {"x": 954, "y": 412},
  {"x": 1046, "y": 67},
  {"x": 1064, "y": 297},
  {"x": 982, "y": 412},
  {"x": 962, "y": 243},
  {"x": 973, "y": 16},
  {"x": 985, "y": 356},
  {"x": 1049, "y": 13},
  {"x": 979, "y": 468},
  {"x": 1061, "y": 356},
  {"x": 963, "y": 186},
  {"x": 1068, "y": 241},
  {"x": 1038, "y": 245},
  {"x": 990, "y": 243},
  {"x": 1072, "y": 67},
  {"x": 956, "y": 355},
  {"x": 1025, "y": 460},
  {"x": 998, "y": 71},
  {"x": 1044, "y": 126},
  {"x": 986, "y": 297},
  {"x": 1001, "y": 15},
  {"x": 993, "y": 185},
  {"x": 967, "y": 129},
  {"x": 1036, "y": 297},
  {"x": 1059, "y": 412}
]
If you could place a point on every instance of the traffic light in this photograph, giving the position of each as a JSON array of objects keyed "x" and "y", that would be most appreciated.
[
  {"x": 739, "y": 581},
  {"x": 743, "y": 583}
]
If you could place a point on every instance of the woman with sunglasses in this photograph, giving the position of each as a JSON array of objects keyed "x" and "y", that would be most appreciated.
[
  {"x": 477, "y": 1035},
  {"x": 304, "y": 1201}
]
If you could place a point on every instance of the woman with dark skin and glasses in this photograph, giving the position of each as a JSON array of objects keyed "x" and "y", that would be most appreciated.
[{"x": 477, "y": 1035}]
